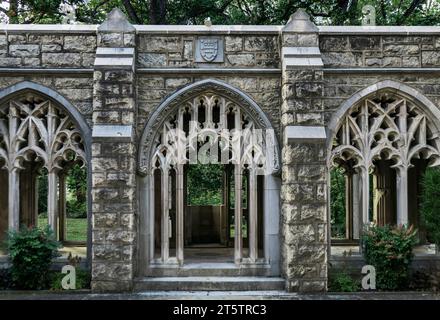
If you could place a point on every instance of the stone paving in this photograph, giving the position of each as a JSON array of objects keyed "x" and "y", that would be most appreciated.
[{"x": 216, "y": 295}]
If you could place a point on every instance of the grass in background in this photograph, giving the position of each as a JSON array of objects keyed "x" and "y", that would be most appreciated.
[{"x": 76, "y": 228}]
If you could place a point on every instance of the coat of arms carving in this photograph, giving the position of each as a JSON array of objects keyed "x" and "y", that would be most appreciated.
[{"x": 209, "y": 49}]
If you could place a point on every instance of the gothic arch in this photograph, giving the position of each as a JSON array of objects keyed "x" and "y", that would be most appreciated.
[
  {"x": 215, "y": 94},
  {"x": 64, "y": 137},
  {"x": 387, "y": 133},
  {"x": 62, "y": 102},
  {"x": 163, "y": 111},
  {"x": 389, "y": 85}
]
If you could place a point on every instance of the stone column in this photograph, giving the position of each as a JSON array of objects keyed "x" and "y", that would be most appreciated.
[
  {"x": 113, "y": 157},
  {"x": 13, "y": 199},
  {"x": 52, "y": 201},
  {"x": 402, "y": 195},
  {"x": 304, "y": 176}
]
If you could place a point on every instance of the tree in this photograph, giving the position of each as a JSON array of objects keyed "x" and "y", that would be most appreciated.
[
  {"x": 430, "y": 204},
  {"x": 334, "y": 12}
]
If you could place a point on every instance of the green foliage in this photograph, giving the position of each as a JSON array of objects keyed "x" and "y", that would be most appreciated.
[
  {"x": 5, "y": 279},
  {"x": 76, "y": 228},
  {"x": 205, "y": 183},
  {"x": 337, "y": 204},
  {"x": 76, "y": 201},
  {"x": 77, "y": 192},
  {"x": 334, "y": 12},
  {"x": 31, "y": 251},
  {"x": 343, "y": 282},
  {"x": 430, "y": 204},
  {"x": 42, "y": 193},
  {"x": 390, "y": 251}
]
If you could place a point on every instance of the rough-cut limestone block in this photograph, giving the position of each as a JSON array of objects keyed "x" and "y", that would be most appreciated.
[
  {"x": 24, "y": 50},
  {"x": 149, "y": 60}
]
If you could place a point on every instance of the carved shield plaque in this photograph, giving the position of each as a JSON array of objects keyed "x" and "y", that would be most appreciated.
[{"x": 209, "y": 49}]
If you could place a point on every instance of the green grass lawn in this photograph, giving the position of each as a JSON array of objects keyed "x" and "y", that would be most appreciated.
[{"x": 76, "y": 228}]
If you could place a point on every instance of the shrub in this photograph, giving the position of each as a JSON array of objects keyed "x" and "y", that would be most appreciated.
[
  {"x": 5, "y": 279},
  {"x": 343, "y": 282},
  {"x": 31, "y": 251},
  {"x": 430, "y": 204},
  {"x": 390, "y": 251}
]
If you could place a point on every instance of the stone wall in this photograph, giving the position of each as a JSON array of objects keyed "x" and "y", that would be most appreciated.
[
  {"x": 387, "y": 51},
  {"x": 36, "y": 50},
  {"x": 117, "y": 74},
  {"x": 178, "y": 51},
  {"x": 153, "y": 89}
]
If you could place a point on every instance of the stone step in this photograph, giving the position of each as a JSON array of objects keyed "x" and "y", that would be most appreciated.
[
  {"x": 209, "y": 284},
  {"x": 210, "y": 269}
]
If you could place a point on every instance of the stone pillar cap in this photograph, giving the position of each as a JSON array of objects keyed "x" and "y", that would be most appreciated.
[
  {"x": 116, "y": 21},
  {"x": 300, "y": 22}
]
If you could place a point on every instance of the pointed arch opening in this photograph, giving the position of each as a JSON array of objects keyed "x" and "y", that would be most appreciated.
[
  {"x": 44, "y": 156},
  {"x": 383, "y": 140},
  {"x": 220, "y": 204}
]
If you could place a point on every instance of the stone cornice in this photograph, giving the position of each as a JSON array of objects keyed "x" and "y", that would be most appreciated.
[{"x": 220, "y": 29}]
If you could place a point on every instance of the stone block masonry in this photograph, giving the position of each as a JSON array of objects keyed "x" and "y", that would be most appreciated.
[{"x": 115, "y": 78}]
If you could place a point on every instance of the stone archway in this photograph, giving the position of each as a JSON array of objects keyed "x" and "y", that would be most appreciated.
[
  {"x": 40, "y": 130},
  {"x": 383, "y": 138},
  {"x": 226, "y": 120}
]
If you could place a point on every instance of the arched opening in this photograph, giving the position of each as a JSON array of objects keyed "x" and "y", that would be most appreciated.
[
  {"x": 208, "y": 172},
  {"x": 43, "y": 156},
  {"x": 379, "y": 152}
]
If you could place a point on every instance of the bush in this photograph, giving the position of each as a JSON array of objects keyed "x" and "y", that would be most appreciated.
[
  {"x": 430, "y": 204},
  {"x": 390, "y": 251},
  {"x": 31, "y": 251},
  {"x": 343, "y": 282},
  {"x": 5, "y": 279}
]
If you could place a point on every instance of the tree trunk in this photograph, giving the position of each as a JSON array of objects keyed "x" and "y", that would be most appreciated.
[
  {"x": 158, "y": 11},
  {"x": 13, "y": 11}
]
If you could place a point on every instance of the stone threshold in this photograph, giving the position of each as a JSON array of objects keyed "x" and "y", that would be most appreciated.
[{"x": 214, "y": 295}]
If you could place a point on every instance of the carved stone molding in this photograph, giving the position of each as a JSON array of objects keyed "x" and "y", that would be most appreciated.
[
  {"x": 204, "y": 90},
  {"x": 33, "y": 128},
  {"x": 386, "y": 126}
]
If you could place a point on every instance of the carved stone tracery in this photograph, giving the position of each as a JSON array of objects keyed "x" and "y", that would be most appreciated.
[
  {"x": 385, "y": 127},
  {"x": 223, "y": 125},
  {"x": 34, "y": 130}
]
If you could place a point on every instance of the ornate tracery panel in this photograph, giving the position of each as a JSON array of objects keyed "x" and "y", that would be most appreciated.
[
  {"x": 33, "y": 129},
  {"x": 388, "y": 127},
  {"x": 208, "y": 127}
]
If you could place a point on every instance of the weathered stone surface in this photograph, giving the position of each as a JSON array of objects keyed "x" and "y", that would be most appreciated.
[
  {"x": 233, "y": 44},
  {"x": 111, "y": 39},
  {"x": 50, "y": 48},
  {"x": 241, "y": 60},
  {"x": 267, "y": 44},
  {"x": 365, "y": 43},
  {"x": 148, "y": 60},
  {"x": 430, "y": 58},
  {"x": 24, "y": 50},
  {"x": 335, "y": 43},
  {"x": 80, "y": 43},
  {"x": 61, "y": 59},
  {"x": 160, "y": 44},
  {"x": 391, "y": 49},
  {"x": 176, "y": 82},
  {"x": 342, "y": 59}
]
